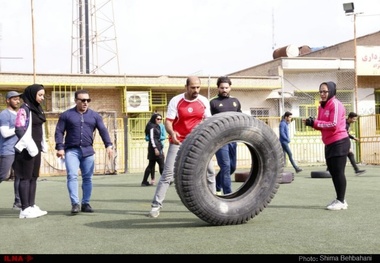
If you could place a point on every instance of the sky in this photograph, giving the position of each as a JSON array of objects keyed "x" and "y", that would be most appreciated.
[{"x": 176, "y": 37}]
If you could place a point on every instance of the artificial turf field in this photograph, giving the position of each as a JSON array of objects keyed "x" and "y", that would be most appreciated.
[{"x": 294, "y": 223}]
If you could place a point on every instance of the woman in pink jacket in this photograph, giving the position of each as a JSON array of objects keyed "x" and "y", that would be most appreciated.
[{"x": 331, "y": 121}]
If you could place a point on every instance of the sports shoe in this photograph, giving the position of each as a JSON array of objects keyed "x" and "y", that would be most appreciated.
[
  {"x": 75, "y": 209},
  {"x": 86, "y": 208},
  {"x": 152, "y": 182},
  {"x": 337, "y": 205},
  {"x": 29, "y": 212},
  {"x": 145, "y": 184},
  {"x": 359, "y": 172},
  {"x": 39, "y": 211},
  {"x": 218, "y": 193},
  {"x": 16, "y": 206},
  {"x": 155, "y": 211},
  {"x": 298, "y": 170}
]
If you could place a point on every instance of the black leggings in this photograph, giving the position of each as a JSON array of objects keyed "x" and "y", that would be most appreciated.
[
  {"x": 151, "y": 168},
  {"x": 336, "y": 167},
  {"x": 27, "y": 168}
]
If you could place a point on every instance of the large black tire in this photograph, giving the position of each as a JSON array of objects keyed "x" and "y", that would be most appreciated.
[{"x": 254, "y": 194}]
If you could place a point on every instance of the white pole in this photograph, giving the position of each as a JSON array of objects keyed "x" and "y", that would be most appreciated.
[{"x": 33, "y": 48}]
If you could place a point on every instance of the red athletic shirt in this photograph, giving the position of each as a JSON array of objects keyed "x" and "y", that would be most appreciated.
[{"x": 186, "y": 114}]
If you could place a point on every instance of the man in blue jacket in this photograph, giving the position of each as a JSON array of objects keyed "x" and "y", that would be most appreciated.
[{"x": 285, "y": 139}]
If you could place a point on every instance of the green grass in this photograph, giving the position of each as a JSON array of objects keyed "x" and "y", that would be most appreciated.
[{"x": 295, "y": 222}]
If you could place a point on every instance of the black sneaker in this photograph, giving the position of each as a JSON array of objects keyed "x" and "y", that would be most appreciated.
[
  {"x": 359, "y": 172},
  {"x": 298, "y": 170},
  {"x": 75, "y": 209},
  {"x": 145, "y": 184},
  {"x": 86, "y": 208}
]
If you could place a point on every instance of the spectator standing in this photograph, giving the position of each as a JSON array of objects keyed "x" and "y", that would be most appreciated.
[
  {"x": 155, "y": 148},
  {"x": 74, "y": 137},
  {"x": 285, "y": 139},
  {"x": 226, "y": 155},
  {"x": 185, "y": 111},
  {"x": 352, "y": 118},
  {"x": 331, "y": 122},
  {"x": 29, "y": 128},
  {"x": 162, "y": 140},
  {"x": 8, "y": 140}
]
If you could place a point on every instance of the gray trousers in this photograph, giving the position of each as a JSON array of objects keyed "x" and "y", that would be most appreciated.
[
  {"x": 6, "y": 162},
  {"x": 168, "y": 176}
]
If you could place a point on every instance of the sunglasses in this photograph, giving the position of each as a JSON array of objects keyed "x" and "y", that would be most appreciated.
[
  {"x": 159, "y": 119},
  {"x": 84, "y": 100}
]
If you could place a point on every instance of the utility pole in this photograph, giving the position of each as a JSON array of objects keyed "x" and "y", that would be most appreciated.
[
  {"x": 349, "y": 9},
  {"x": 33, "y": 44}
]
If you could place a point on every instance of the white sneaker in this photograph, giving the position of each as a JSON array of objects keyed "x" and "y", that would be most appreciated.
[
  {"x": 28, "y": 213},
  {"x": 39, "y": 211},
  {"x": 155, "y": 211},
  {"x": 337, "y": 205}
]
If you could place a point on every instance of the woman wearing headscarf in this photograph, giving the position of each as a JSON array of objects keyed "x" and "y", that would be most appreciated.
[
  {"x": 155, "y": 148},
  {"x": 331, "y": 121},
  {"x": 30, "y": 131}
]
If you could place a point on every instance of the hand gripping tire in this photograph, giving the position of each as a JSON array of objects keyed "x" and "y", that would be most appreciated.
[{"x": 254, "y": 194}]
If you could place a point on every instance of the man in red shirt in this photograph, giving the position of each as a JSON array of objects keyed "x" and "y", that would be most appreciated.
[{"x": 185, "y": 111}]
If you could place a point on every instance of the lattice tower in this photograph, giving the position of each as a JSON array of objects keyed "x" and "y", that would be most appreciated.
[{"x": 94, "y": 44}]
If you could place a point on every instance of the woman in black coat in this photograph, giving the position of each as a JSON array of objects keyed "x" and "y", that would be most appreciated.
[{"x": 29, "y": 128}]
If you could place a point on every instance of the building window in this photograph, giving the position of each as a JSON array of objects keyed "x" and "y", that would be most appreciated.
[
  {"x": 377, "y": 110},
  {"x": 62, "y": 100},
  {"x": 261, "y": 113}
]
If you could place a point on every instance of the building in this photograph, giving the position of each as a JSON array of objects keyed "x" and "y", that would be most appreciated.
[
  {"x": 301, "y": 76},
  {"x": 265, "y": 91}
]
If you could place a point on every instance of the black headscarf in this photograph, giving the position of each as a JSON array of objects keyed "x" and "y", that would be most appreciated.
[
  {"x": 331, "y": 86},
  {"x": 151, "y": 122},
  {"x": 29, "y": 97}
]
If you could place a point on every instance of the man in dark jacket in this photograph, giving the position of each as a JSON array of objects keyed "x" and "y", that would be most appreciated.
[
  {"x": 352, "y": 117},
  {"x": 225, "y": 156}
]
